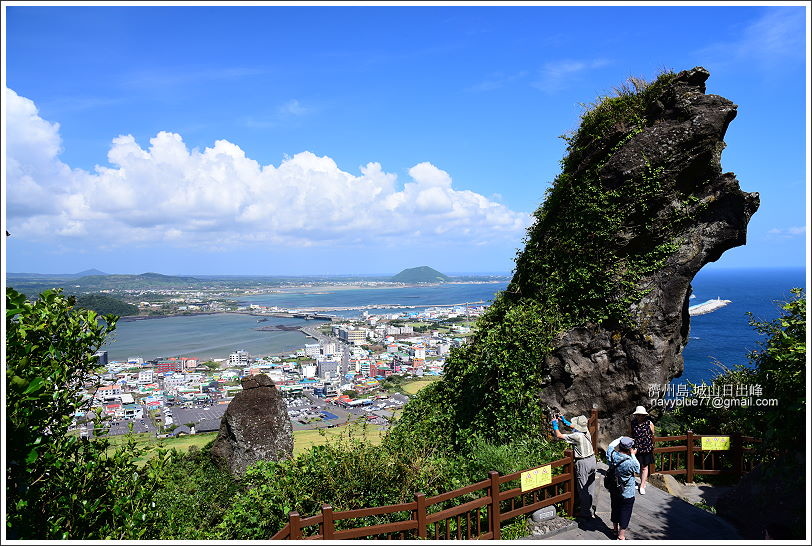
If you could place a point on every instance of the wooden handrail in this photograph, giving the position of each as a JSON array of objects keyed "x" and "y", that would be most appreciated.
[
  {"x": 533, "y": 507},
  {"x": 374, "y": 530},
  {"x": 457, "y": 492},
  {"x": 693, "y": 446},
  {"x": 457, "y": 510},
  {"x": 516, "y": 475},
  {"x": 377, "y": 511},
  {"x": 420, "y": 520}
]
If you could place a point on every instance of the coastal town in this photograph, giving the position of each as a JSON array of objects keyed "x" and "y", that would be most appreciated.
[{"x": 344, "y": 374}]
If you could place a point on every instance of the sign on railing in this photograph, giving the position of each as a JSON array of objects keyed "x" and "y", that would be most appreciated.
[
  {"x": 715, "y": 443},
  {"x": 537, "y": 477},
  {"x": 700, "y": 454}
]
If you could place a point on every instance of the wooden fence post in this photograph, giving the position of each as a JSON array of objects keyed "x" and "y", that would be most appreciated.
[
  {"x": 594, "y": 430},
  {"x": 495, "y": 510},
  {"x": 569, "y": 504},
  {"x": 328, "y": 527},
  {"x": 689, "y": 457},
  {"x": 737, "y": 451},
  {"x": 422, "y": 529},
  {"x": 295, "y": 527}
]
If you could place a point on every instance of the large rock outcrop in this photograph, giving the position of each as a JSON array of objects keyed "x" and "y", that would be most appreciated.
[
  {"x": 255, "y": 427},
  {"x": 597, "y": 309},
  {"x": 609, "y": 368}
]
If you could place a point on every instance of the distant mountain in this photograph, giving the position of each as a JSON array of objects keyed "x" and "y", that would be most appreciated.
[
  {"x": 420, "y": 274},
  {"x": 88, "y": 272},
  {"x": 85, "y": 273},
  {"x": 142, "y": 281}
]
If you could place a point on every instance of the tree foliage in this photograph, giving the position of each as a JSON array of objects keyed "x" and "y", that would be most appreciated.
[
  {"x": 105, "y": 305},
  {"x": 59, "y": 485}
]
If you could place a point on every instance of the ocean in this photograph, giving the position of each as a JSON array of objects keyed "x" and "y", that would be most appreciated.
[{"x": 723, "y": 336}]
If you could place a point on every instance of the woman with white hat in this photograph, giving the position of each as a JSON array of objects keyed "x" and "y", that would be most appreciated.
[{"x": 642, "y": 430}]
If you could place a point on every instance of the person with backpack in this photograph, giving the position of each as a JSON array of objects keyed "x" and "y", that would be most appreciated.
[
  {"x": 585, "y": 465},
  {"x": 623, "y": 465}
]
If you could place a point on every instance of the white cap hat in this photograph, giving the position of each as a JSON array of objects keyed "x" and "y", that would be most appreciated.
[{"x": 640, "y": 411}]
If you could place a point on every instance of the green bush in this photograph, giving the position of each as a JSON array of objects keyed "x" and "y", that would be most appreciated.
[
  {"x": 350, "y": 473},
  {"x": 59, "y": 485},
  {"x": 191, "y": 497}
]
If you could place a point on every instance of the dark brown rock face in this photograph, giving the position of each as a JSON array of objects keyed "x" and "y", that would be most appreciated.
[
  {"x": 255, "y": 427},
  {"x": 612, "y": 370}
]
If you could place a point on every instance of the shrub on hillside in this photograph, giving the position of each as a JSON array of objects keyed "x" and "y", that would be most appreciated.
[{"x": 59, "y": 485}]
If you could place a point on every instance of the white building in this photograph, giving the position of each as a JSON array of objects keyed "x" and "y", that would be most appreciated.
[
  {"x": 146, "y": 376},
  {"x": 355, "y": 336},
  {"x": 239, "y": 358},
  {"x": 418, "y": 351},
  {"x": 312, "y": 350},
  {"x": 174, "y": 381}
]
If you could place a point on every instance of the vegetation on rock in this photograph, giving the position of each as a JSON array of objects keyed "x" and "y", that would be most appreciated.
[{"x": 584, "y": 256}]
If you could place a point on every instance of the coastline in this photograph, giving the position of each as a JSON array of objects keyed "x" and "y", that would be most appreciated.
[
  {"x": 328, "y": 288},
  {"x": 135, "y": 318}
]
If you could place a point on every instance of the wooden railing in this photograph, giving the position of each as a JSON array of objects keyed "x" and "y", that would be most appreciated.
[
  {"x": 473, "y": 512},
  {"x": 685, "y": 456}
]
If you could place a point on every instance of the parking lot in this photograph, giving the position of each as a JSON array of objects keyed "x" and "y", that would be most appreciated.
[
  {"x": 306, "y": 407},
  {"x": 208, "y": 415}
]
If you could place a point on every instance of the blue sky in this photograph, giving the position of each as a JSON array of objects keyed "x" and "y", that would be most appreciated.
[{"x": 318, "y": 140}]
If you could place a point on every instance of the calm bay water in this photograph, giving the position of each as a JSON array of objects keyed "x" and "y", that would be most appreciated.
[
  {"x": 202, "y": 336},
  {"x": 722, "y": 335}
]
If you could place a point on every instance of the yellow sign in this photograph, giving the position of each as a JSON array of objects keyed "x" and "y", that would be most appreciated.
[
  {"x": 537, "y": 477},
  {"x": 715, "y": 443}
]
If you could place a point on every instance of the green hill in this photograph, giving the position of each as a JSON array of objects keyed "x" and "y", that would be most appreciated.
[
  {"x": 420, "y": 274},
  {"x": 105, "y": 305}
]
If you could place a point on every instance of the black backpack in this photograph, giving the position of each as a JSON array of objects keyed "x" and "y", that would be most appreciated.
[{"x": 613, "y": 482}]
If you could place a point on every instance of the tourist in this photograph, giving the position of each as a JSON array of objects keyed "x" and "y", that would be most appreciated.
[
  {"x": 642, "y": 431},
  {"x": 622, "y": 455},
  {"x": 585, "y": 465}
]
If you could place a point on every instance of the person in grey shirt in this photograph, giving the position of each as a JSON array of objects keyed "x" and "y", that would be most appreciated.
[{"x": 585, "y": 466}]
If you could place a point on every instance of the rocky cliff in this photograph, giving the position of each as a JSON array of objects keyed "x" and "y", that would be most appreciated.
[
  {"x": 611, "y": 368},
  {"x": 254, "y": 427},
  {"x": 597, "y": 310}
]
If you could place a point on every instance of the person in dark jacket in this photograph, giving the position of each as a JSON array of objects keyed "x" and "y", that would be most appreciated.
[{"x": 642, "y": 431}]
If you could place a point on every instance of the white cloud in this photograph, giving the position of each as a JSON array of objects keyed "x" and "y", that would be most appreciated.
[
  {"x": 778, "y": 35},
  {"x": 218, "y": 197},
  {"x": 557, "y": 74},
  {"x": 787, "y": 233},
  {"x": 293, "y": 108},
  {"x": 497, "y": 80}
]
